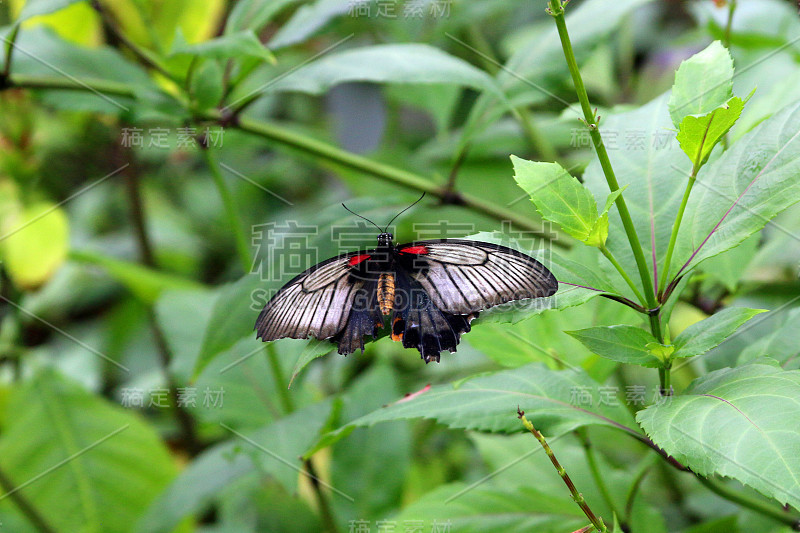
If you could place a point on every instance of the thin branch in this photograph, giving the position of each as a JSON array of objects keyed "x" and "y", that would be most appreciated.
[{"x": 577, "y": 497}]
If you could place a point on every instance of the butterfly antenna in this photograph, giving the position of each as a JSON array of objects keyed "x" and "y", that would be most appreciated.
[
  {"x": 403, "y": 211},
  {"x": 359, "y": 216}
]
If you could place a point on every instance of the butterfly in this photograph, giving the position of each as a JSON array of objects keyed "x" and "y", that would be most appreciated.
[{"x": 432, "y": 290}]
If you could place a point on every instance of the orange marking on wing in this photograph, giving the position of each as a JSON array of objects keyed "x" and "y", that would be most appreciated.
[{"x": 396, "y": 336}]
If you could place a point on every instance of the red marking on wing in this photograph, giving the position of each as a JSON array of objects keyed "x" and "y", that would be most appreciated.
[
  {"x": 356, "y": 259},
  {"x": 420, "y": 250}
]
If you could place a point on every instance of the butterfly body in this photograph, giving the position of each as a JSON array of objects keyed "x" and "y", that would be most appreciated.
[{"x": 432, "y": 290}]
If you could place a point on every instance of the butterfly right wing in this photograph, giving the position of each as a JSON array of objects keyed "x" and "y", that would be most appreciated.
[{"x": 316, "y": 303}]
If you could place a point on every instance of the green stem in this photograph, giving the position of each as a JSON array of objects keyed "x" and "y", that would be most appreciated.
[
  {"x": 9, "y": 54},
  {"x": 30, "y": 512},
  {"x": 557, "y": 11},
  {"x": 644, "y": 467},
  {"x": 383, "y": 171},
  {"x": 594, "y": 468},
  {"x": 277, "y": 376},
  {"x": 576, "y": 496},
  {"x": 314, "y": 147},
  {"x": 288, "y": 406},
  {"x": 790, "y": 519},
  {"x": 665, "y": 380},
  {"x": 613, "y": 260},
  {"x": 24, "y": 81},
  {"x": 492, "y": 65},
  {"x": 673, "y": 238},
  {"x": 234, "y": 222},
  {"x": 729, "y": 24}
]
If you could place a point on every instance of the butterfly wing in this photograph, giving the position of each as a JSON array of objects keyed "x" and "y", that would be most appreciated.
[
  {"x": 463, "y": 276},
  {"x": 322, "y": 301}
]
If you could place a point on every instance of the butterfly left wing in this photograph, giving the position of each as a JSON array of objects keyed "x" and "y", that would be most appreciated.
[{"x": 332, "y": 300}]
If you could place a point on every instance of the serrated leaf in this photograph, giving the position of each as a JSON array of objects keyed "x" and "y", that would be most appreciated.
[
  {"x": 702, "y": 83},
  {"x": 58, "y": 423},
  {"x": 385, "y": 63},
  {"x": 781, "y": 344},
  {"x": 626, "y": 344},
  {"x": 34, "y": 244},
  {"x": 746, "y": 187},
  {"x": 558, "y": 196},
  {"x": 495, "y": 509},
  {"x": 599, "y": 232},
  {"x": 698, "y": 135},
  {"x": 489, "y": 403},
  {"x": 313, "y": 350},
  {"x": 702, "y": 336},
  {"x": 741, "y": 423}
]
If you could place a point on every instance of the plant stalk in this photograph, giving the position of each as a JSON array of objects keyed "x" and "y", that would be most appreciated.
[
  {"x": 25, "y": 507},
  {"x": 556, "y": 9},
  {"x": 613, "y": 260},
  {"x": 576, "y": 496},
  {"x": 790, "y": 519},
  {"x": 239, "y": 237}
]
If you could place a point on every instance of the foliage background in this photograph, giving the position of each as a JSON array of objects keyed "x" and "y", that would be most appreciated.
[{"x": 129, "y": 267}]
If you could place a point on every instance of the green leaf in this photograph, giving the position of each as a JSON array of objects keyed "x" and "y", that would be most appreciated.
[
  {"x": 558, "y": 196},
  {"x": 550, "y": 399},
  {"x": 578, "y": 282},
  {"x": 207, "y": 86},
  {"x": 55, "y": 421},
  {"x": 254, "y": 14},
  {"x": 183, "y": 316},
  {"x": 703, "y": 82},
  {"x": 781, "y": 344},
  {"x": 599, "y": 232},
  {"x": 626, "y": 344},
  {"x": 741, "y": 422},
  {"x": 495, "y": 509},
  {"x": 34, "y": 244},
  {"x": 387, "y": 63},
  {"x": 225, "y": 463},
  {"x": 145, "y": 283},
  {"x": 702, "y": 336},
  {"x": 78, "y": 62},
  {"x": 662, "y": 351},
  {"x": 230, "y": 46},
  {"x": 536, "y": 69},
  {"x": 376, "y": 490},
  {"x": 746, "y": 187},
  {"x": 34, "y": 8},
  {"x": 308, "y": 19},
  {"x": 698, "y": 135},
  {"x": 313, "y": 350}
]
